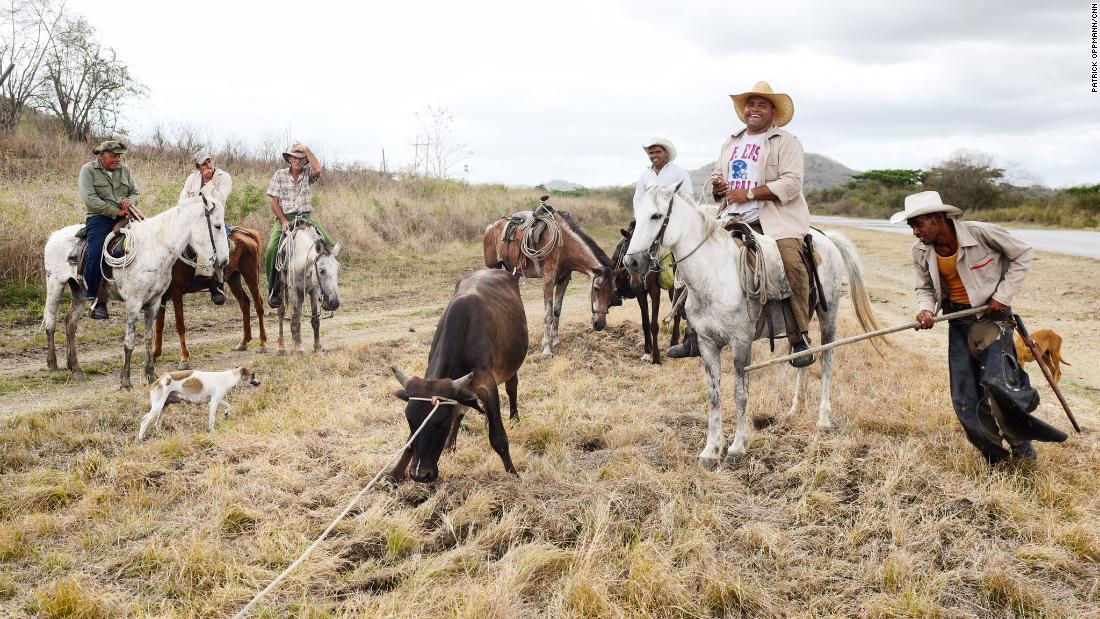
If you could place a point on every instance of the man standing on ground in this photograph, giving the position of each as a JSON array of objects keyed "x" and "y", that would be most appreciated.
[
  {"x": 960, "y": 264},
  {"x": 215, "y": 184},
  {"x": 662, "y": 171},
  {"x": 291, "y": 193},
  {"x": 108, "y": 191}
]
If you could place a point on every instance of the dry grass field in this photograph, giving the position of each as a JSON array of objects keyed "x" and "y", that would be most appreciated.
[{"x": 890, "y": 515}]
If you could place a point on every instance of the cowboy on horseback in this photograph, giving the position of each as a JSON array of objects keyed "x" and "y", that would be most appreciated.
[
  {"x": 216, "y": 184},
  {"x": 291, "y": 193},
  {"x": 110, "y": 195}
]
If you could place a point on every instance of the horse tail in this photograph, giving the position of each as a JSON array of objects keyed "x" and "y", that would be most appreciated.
[{"x": 865, "y": 314}]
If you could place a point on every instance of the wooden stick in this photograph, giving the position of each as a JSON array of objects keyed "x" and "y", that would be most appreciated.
[
  {"x": 1030, "y": 343},
  {"x": 865, "y": 336}
]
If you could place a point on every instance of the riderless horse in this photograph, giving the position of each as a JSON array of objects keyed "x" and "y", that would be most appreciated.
[
  {"x": 646, "y": 287},
  {"x": 723, "y": 313},
  {"x": 562, "y": 249},
  {"x": 309, "y": 269},
  {"x": 139, "y": 278},
  {"x": 244, "y": 263}
]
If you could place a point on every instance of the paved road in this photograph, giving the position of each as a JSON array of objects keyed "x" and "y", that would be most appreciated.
[{"x": 1072, "y": 242}]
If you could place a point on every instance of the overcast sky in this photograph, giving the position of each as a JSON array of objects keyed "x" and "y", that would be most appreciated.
[{"x": 571, "y": 89}]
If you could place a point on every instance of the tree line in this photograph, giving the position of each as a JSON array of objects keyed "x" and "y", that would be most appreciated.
[{"x": 53, "y": 61}]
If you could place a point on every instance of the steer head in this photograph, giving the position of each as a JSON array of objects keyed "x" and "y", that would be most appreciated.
[{"x": 423, "y": 462}]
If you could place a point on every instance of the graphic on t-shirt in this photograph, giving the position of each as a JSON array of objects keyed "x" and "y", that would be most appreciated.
[{"x": 739, "y": 169}]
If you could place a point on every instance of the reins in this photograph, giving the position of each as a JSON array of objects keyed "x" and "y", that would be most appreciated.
[{"x": 437, "y": 402}]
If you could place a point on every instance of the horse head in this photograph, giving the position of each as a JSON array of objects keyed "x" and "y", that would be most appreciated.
[
  {"x": 653, "y": 229},
  {"x": 603, "y": 296},
  {"x": 328, "y": 274},
  {"x": 429, "y": 444},
  {"x": 204, "y": 226}
]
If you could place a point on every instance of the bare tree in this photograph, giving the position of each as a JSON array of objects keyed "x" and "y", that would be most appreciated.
[
  {"x": 28, "y": 30},
  {"x": 437, "y": 152},
  {"x": 86, "y": 85}
]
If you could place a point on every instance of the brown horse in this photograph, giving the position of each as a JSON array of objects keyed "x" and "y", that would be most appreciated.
[
  {"x": 567, "y": 250},
  {"x": 632, "y": 285},
  {"x": 244, "y": 262}
]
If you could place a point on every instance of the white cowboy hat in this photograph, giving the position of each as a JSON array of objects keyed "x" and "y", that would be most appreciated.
[
  {"x": 663, "y": 143},
  {"x": 784, "y": 106},
  {"x": 924, "y": 203}
]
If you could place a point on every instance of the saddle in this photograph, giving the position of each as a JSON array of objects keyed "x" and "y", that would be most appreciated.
[
  {"x": 522, "y": 235},
  {"x": 280, "y": 255},
  {"x": 115, "y": 246}
]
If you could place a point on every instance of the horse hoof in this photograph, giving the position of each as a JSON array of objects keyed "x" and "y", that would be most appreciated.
[
  {"x": 708, "y": 463},
  {"x": 262, "y": 350},
  {"x": 825, "y": 425},
  {"x": 546, "y": 354},
  {"x": 55, "y": 372},
  {"x": 241, "y": 347},
  {"x": 281, "y": 353},
  {"x": 183, "y": 365},
  {"x": 125, "y": 387},
  {"x": 79, "y": 374},
  {"x": 647, "y": 358}
]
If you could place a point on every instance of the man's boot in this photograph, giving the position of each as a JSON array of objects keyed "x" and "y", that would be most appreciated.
[
  {"x": 275, "y": 295},
  {"x": 1024, "y": 451},
  {"x": 99, "y": 306},
  {"x": 799, "y": 340},
  {"x": 217, "y": 294},
  {"x": 689, "y": 347}
]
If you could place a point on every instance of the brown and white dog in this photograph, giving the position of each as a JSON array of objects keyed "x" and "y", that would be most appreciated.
[
  {"x": 1049, "y": 345},
  {"x": 195, "y": 387}
]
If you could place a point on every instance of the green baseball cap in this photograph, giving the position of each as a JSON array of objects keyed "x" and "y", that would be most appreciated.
[{"x": 113, "y": 146}]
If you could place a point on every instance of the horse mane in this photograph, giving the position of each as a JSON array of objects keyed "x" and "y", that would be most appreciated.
[{"x": 598, "y": 251}]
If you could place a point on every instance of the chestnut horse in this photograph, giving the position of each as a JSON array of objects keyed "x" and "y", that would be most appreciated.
[
  {"x": 570, "y": 251},
  {"x": 244, "y": 262},
  {"x": 633, "y": 285}
]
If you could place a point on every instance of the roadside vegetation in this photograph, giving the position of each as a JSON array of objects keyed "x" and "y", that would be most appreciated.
[{"x": 970, "y": 181}]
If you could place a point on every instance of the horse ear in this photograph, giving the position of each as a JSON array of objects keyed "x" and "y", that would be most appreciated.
[
  {"x": 624, "y": 233},
  {"x": 399, "y": 375},
  {"x": 320, "y": 246},
  {"x": 336, "y": 250}
]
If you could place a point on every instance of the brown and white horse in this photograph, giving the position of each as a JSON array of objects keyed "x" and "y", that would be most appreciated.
[
  {"x": 574, "y": 252},
  {"x": 244, "y": 263}
]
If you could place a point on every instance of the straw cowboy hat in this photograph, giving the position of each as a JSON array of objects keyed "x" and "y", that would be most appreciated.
[
  {"x": 784, "y": 106},
  {"x": 663, "y": 143},
  {"x": 292, "y": 153},
  {"x": 924, "y": 203}
]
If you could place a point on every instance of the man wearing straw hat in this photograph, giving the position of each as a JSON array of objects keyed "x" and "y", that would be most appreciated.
[
  {"x": 108, "y": 191},
  {"x": 216, "y": 184},
  {"x": 291, "y": 193},
  {"x": 960, "y": 264},
  {"x": 661, "y": 170},
  {"x": 758, "y": 179}
]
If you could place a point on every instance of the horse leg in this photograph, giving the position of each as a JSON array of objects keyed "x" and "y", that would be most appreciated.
[
  {"x": 296, "y": 321},
  {"x": 181, "y": 330},
  {"x": 828, "y": 334},
  {"x": 548, "y": 319},
  {"x": 712, "y": 364},
  {"x": 315, "y": 320},
  {"x": 76, "y": 310},
  {"x": 742, "y": 357},
  {"x": 672, "y": 296},
  {"x": 246, "y": 309},
  {"x": 251, "y": 277},
  {"x": 128, "y": 345},
  {"x": 655, "y": 322},
  {"x": 54, "y": 289},
  {"x": 799, "y": 392},
  {"x": 160, "y": 332},
  {"x": 559, "y": 298},
  {"x": 511, "y": 386},
  {"x": 150, "y": 361},
  {"x": 643, "y": 306}
]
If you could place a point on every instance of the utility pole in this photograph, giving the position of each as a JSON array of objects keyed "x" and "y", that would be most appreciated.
[{"x": 384, "y": 170}]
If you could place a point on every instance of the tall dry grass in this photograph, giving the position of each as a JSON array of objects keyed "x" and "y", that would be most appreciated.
[{"x": 370, "y": 212}]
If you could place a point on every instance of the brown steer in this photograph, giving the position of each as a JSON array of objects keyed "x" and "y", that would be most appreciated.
[{"x": 480, "y": 342}]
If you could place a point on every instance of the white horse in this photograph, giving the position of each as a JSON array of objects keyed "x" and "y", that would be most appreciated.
[
  {"x": 139, "y": 279},
  {"x": 720, "y": 311},
  {"x": 310, "y": 269}
]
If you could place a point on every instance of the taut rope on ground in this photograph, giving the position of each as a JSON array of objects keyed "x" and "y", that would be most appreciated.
[{"x": 437, "y": 402}]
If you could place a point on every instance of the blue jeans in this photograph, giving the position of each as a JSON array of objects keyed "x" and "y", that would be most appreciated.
[{"x": 99, "y": 226}]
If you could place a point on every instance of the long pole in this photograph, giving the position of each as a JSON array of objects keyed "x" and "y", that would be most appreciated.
[{"x": 865, "y": 336}]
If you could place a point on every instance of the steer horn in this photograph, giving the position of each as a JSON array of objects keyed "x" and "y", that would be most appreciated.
[
  {"x": 463, "y": 382},
  {"x": 399, "y": 375}
]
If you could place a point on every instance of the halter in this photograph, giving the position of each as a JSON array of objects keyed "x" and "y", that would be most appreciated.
[
  {"x": 654, "y": 251},
  {"x": 207, "y": 209},
  {"x": 592, "y": 298}
]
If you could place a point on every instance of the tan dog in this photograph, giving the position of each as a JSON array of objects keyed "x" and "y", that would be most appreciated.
[
  {"x": 1049, "y": 345},
  {"x": 195, "y": 387}
]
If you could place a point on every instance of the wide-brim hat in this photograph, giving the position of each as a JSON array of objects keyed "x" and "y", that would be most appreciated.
[
  {"x": 924, "y": 203},
  {"x": 663, "y": 143},
  {"x": 784, "y": 105},
  {"x": 110, "y": 146},
  {"x": 292, "y": 153}
]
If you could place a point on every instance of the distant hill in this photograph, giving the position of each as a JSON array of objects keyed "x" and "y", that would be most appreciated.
[
  {"x": 559, "y": 185},
  {"x": 821, "y": 173}
]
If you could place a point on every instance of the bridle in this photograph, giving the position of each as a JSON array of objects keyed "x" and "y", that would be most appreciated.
[
  {"x": 592, "y": 293},
  {"x": 208, "y": 208},
  {"x": 654, "y": 250}
]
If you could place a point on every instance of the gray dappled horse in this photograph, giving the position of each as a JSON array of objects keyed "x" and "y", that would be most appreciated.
[{"x": 308, "y": 269}]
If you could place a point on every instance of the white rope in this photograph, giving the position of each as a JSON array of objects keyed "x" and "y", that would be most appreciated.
[
  {"x": 754, "y": 281},
  {"x": 130, "y": 246},
  {"x": 317, "y": 542},
  {"x": 552, "y": 228}
]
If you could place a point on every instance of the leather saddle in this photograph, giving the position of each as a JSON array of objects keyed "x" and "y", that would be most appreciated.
[
  {"x": 116, "y": 247},
  {"x": 524, "y": 228}
]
